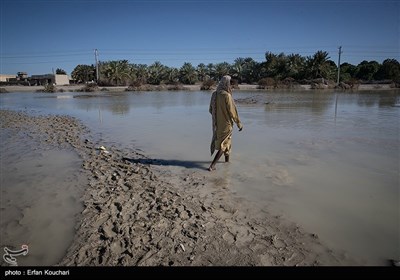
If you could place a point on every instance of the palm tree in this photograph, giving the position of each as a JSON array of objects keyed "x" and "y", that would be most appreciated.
[
  {"x": 222, "y": 69},
  {"x": 116, "y": 71},
  {"x": 270, "y": 61},
  {"x": 250, "y": 70},
  {"x": 296, "y": 64},
  {"x": 201, "y": 72},
  {"x": 142, "y": 73},
  {"x": 157, "y": 73},
  {"x": 188, "y": 74},
  {"x": 281, "y": 67},
  {"x": 318, "y": 65},
  {"x": 276, "y": 65},
  {"x": 83, "y": 73},
  {"x": 237, "y": 69},
  {"x": 211, "y": 71},
  {"x": 172, "y": 76}
]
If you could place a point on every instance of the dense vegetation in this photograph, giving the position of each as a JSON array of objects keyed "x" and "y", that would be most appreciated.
[
  {"x": 60, "y": 71},
  {"x": 275, "y": 68}
]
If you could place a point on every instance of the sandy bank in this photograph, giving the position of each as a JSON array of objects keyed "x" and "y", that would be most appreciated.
[
  {"x": 140, "y": 214},
  {"x": 242, "y": 87}
]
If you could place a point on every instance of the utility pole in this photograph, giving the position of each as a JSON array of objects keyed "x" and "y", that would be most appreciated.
[
  {"x": 338, "y": 71},
  {"x": 96, "y": 57}
]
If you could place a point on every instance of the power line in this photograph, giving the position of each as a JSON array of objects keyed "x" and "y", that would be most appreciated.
[
  {"x": 50, "y": 55},
  {"x": 186, "y": 51},
  {"x": 43, "y": 62}
]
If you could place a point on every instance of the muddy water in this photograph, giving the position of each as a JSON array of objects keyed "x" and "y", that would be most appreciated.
[
  {"x": 327, "y": 161},
  {"x": 40, "y": 199}
]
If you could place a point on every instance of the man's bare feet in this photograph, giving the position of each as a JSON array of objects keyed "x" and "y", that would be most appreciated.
[{"x": 211, "y": 168}]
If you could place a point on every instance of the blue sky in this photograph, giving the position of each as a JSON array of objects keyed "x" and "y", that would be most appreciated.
[{"x": 37, "y": 36}]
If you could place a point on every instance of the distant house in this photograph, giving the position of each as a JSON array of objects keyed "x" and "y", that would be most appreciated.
[
  {"x": 14, "y": 79},
  {"x": 7, "y": 78},
  {"x": 22, "y": 76},
  {"x": 56, "y": 79},
  {"x": 62, "y": 79}
]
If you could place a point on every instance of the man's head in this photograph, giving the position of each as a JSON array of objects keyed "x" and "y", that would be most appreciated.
[{"x": 225, "y": 84}]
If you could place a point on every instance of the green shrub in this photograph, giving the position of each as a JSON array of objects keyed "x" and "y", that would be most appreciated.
[
  {"x": 266, "y": 83},
  {"x": 90, "y": 87},
  {"x": 207, "y": 85},
  {"x": 49, "y": 88}
]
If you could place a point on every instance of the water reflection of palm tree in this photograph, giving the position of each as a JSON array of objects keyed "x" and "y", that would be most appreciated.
[{"x": 100, "y": 115}]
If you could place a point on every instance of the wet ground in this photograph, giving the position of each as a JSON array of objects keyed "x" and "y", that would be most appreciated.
[{"x": 326, "y": 161}]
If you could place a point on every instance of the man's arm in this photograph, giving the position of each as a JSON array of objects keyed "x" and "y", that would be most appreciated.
[
  {"x": 232, "y": 111},
  {"x": 212, "y": 101}
]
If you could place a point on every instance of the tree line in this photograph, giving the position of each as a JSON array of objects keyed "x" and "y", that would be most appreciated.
[{"x": 278, "y": 67}]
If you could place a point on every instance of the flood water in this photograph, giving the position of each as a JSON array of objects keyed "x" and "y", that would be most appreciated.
[{"x": 327, "y": 161}]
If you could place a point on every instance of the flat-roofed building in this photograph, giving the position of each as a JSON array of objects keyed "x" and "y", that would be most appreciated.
[
  {"x": 61, "y": 79},
  {"x": 57, "y": 79},
  {"x": 6, "y": 78}
]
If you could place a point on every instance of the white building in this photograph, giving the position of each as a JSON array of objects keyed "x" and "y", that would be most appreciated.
[
  {"x": 57, "y": 79},
  {"x": 6, "y": 78}
]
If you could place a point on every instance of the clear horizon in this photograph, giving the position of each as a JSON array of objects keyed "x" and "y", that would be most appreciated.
[{"x": 40, "y": 35}]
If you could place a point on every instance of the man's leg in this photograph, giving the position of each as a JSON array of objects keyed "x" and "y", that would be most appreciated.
[
  {"x": 228, "y": 151},
  {"x": 226, "y": 157},
  {"x": 216, "y": 158}
]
